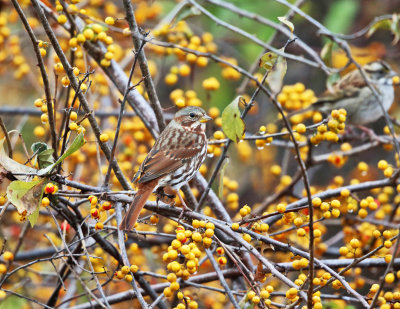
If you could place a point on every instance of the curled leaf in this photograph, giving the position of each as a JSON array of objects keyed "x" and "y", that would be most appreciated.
[
  {"x": 382, "y": 24},
  {"x": 326, "y": 53},
  {"x": 39, "y": 147},
  {"x": 26, "y": 197},
  {"x": 45, "y": 158},
  {"x": 15, "y": 168},
  {"x": 268, "y": 60},
  {"x": 232, "y": 124},
  {"x": 287, "y": 23},
  {"x": 277, "y": 73},
  {"x": 78, "y": 142},
  {"x": 387, "y": 24},
  {"x": 44, "y": 154}
]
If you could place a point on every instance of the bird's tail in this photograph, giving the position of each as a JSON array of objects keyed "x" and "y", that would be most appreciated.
[{"x": 136, "y": 206}]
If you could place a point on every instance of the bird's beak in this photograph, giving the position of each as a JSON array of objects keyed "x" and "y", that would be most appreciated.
[
  {"x": 205, "y": 119},
  {"x": 395, "y": 78}
]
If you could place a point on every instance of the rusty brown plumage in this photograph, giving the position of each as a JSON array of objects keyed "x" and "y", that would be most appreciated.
[{"x": 174, "y": 159}]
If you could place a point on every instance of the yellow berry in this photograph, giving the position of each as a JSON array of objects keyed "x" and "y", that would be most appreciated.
[
  {"x": 387, "y": 234},
  {"x": 301, "y": 128},
  {"x": 301, "y": 232},
  {"x": 171, "y": 79},
  {"x": 39, "y": 131},
  {"x": 335, "y": 212},
  {"x": 335, "y": 204},
  {"x": 276, "y": 170},
  {"x": 3, "y": 269},
  {"x": 99, "y": 226},
  {"x": 134, "y": 269},
  {"x": 388, "y": 244},
  {"x": 281, "y": 208},
  {"x": 8, "y": 256},
  {"x": 317, "y": 233},
  {"x": 343, "y": 251},
  {"x": 362, "y": 213},
  {"x": 355, "y": 243},
  {"x": 73, "y": 126},
  {"x": 89, "y": 34},
  {"x": 128, "y": 278},
  {"x": 184, "y": 70},
  {"x": 374, "y": 288},
  {"x": 168, "y": 292},
  {"x": 316, "y": 201},
  {"x": 73, "y": 116},
  {"x": 109, "y": 20},
  {"x": 247, "y": 237},
  {"x": 45, "y": 202},
  {"x": 62, "y": 19},
  {"x": 382, "y": 164},
  {"x": 389, "y": 278},
  {"x": 104, "y": 137}
]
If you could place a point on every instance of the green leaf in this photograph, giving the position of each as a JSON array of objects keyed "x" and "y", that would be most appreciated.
[
  {"x": 26, "y": 196},
  {"x": 277, "y": 73},
  {"x": 221, "y": 179},
  {"x": 45, "y": 158},
  {"x": 268, "y": 60},
  {"x": 382, "y": 24},
  {"x": 287, "y": 23},
  {"x": 326, "y": 53},
  {"x": 232, "y": 124},
  {"x": 39, "y": 147},
  {"x": 13, "y": 166},
  {"x": 12, "y": 301},
  {"x": 387, "y": 24},
  {"x": 78, "y": 142}
]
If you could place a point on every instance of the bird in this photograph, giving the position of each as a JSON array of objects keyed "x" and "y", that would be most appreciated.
[
  {"x": 353, "y": 94},
  {"x": 173, "y": 160}
]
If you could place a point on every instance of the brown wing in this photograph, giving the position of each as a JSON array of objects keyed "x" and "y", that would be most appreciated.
[
  {"x": 348, "y": 86},
  {"x": 165, "y": 158}
]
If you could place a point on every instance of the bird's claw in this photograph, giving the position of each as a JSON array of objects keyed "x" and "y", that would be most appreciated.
[
  {"x": 184, "y": 209},
  {"x": 164, "y": 197}
]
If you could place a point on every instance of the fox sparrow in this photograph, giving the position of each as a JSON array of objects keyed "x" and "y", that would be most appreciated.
[{"x": 174, "y": 159}]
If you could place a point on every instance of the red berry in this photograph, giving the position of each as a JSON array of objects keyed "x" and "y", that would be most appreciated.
[
  {"x": 49, "y": 189},
  {"x": 94, "y": 213},
  {"x": 65, "y": 226},
  {"x": 106, "y": 205}
]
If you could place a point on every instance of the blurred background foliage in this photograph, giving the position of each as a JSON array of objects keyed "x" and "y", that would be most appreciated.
[{"x": 250, "y": 167}]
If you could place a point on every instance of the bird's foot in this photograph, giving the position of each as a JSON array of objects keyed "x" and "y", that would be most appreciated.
[
  {"x": 184, "y": 209},
  {"x": 164, "y": 197},
  {"x": 370, "y": 133}
]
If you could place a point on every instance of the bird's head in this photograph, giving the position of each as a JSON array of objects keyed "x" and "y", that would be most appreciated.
[
  {"x": 192, "y": 118},
  {"x": 379, "y": 71}
]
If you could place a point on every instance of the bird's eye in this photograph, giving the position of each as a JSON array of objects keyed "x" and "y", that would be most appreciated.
[{"x": 192, "y": 115}]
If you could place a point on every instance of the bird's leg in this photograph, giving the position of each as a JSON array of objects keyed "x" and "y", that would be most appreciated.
[
  {"x": 370, "y": 133},
  {"x": 184, "y": 206}
]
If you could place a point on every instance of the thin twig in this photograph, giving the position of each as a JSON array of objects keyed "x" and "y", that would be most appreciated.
[
  {"x": 122, "y": 109},
  {"x": 3, "y": 127}
]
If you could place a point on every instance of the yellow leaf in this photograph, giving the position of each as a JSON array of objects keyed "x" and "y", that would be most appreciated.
[{"x": 287, "y": 23}]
